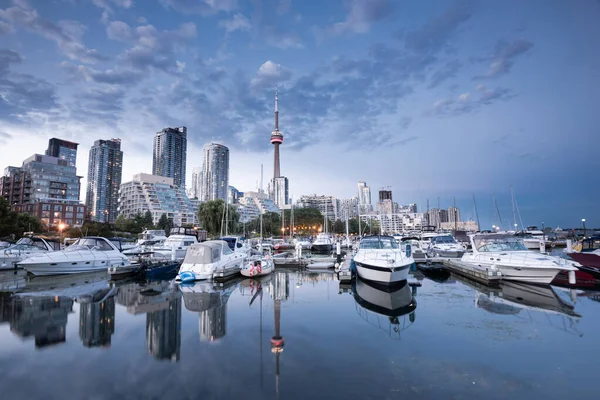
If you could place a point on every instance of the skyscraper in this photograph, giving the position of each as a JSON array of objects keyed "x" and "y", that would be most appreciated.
[
  {"x": 170, "y": 154},
  {"x": 364, "y": 197},
  {"x": 385, "y": 194},
  {"x": 196, "y": 183},
  {"x": 279, "y": 185},
  {"x": 104, "y": 179},
  {"x": 64, "y": 150},
  {"x": 215, "y": 173}
]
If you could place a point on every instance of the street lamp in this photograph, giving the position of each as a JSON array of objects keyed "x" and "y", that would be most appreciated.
[
  {"x": 61, "y": 227},
  {"x": 584, "y": 230}
]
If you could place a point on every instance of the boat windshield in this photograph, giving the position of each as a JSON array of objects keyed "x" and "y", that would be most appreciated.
[
  {"x": 443, "y": 240},
  {"x": 499, "y": 243},
  {"x": 89, "y": 244},
  {"x": 25, "y": 243},
  {"x": 378, "y": 242}
]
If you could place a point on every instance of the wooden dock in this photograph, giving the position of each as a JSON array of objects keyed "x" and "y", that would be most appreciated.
[{"x": 480, "y": 274}]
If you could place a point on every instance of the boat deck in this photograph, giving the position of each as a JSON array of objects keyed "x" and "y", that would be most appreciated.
[{"x": 475, "y": 272}]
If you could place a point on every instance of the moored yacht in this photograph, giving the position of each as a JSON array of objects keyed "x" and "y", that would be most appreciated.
[
  {"x": 87, "y": 254},
  {"x": 25, "y": 247},
  {"x": 207, "y": 259},
  {"x": 589, "y": 255},
  {"x": 177, "y": 243},
  {"x": 532, "y": 238},
  {"x": 508, "y": 254},
  {"x": 381, "y": 259},
  {"x": 322, "y": 243},
  {"x": 445, "y": 246}
]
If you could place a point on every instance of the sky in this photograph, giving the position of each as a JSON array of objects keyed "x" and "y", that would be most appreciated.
[{"x": 434, "y": 99}]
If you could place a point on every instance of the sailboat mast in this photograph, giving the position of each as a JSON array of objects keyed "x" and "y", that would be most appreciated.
[
  {"x": 512, "y": 195},
  {"x": 476, "y": 213},
  {"x": 454, "y": 211}
]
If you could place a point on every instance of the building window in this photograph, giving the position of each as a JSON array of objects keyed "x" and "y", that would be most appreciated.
[
  {"x": 79, "y": 209},
  {"x": 57, "y": 207},
  {"x": 69, "y": 208},
  {"x": 57, "y": 214},
  {"x": 45, "y": 221},
  {"x": 79, "y": 215},
  {"x": 46, "y": 207},
  {"x": 69, "y": 215},
  {"x": 45, "y": 214}
]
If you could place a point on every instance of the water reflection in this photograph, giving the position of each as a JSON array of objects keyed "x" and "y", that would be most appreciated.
[
  {"x": 383, "y": 306},
  {"x": 161, "y": 302},
  {"x": 97, "y": 318}
]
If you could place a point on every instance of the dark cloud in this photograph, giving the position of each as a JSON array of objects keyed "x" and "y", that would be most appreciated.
[
  {"x": 66, "y": 34},
  {"x": 502, "y": 59},
  {"x": 444, "y": 73},
  {"x": 361, "y": 14},
  {"x": 437, "y": 32},
  {"x": 202, "y": 7}
]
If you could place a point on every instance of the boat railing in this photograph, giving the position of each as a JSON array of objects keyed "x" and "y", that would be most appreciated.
[{"x": 527, "y": 256}]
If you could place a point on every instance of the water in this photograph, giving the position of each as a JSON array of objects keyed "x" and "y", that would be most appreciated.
[{"x": 81, "y": 337}]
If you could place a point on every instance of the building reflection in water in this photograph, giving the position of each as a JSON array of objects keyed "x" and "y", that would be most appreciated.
[
  {"x": 161, "y": 303},
  {"x": 97, "y": 322},
  {"x": 279, "y": 289}
]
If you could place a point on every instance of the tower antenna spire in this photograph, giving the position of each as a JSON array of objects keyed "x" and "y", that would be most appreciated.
[{"x": 276, "y": 108}]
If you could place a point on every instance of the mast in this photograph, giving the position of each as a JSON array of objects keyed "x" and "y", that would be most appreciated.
[
  {"x": 512, "y": 195},
  {"x": 476, "y": 213},
  {"x": 454, "y": 210},
  {"x": 283, "y": 224},
  {"x": 291, "y": 219}
]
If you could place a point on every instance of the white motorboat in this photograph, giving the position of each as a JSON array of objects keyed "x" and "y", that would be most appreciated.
[
  {"x": 207, "y": 259},
  {"x": 87, "y": 254},
  {"x": 151, "y": 237},
  {"x": 381, "y": 259},
  {"x": 176, "y": 245},
  {"x": 417, "y": 252},
  {"x": 25, "y": 247},
  {"x": 238, "y": 245},
  {"x": 426, "y": 239},
  {"x": 508, "y": 254},
  {"x": 304, "y": 243},
  {"x": 445, "y": 246},
  {"x": 532, "y": 238},
  {"x": 258, "y": 266},
  {"x": 322, "y": 243}
]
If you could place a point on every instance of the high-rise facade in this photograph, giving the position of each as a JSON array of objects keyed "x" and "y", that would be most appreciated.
[
  {"x": 64, "y": 150},
  {"x": 453, "y": 214},
  {"x": 364, "y": 198},
  {"x": 385, "y": 194},
  {"x": 170, "y": 154},
  {"x": 196, "y": 183},
  {"x": 215, "y": 173},
  {"x": 105, "y": 166},
  {"x": 347, "y": 208},
  {"x": 279, "y": 185}
]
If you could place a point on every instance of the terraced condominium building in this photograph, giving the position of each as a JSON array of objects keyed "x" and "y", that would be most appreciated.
[{"x": 170, "y": 154}]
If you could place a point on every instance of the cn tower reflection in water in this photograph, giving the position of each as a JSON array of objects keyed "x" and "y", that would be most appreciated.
[{"x": 161, "y": 302}]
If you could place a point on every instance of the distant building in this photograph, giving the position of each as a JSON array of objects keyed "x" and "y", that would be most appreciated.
[
  {"x": 64, "y": 150},
  {"x": 170, "y": 154},
  {"x": 196, "y": 183},
  {"x": 105, "y": 166},
  {"x": 327, "y": 205},
  {"x": 398, "y": 223},
  {"x": 347, "y": 208},
  {"x": 279, "y": 191},
  {"x": 364, "y": 198},
  {"x": 453, "y": 214},
  {"x": 158, "y": 195},
  {"x": 387, "y": 206},
  {"x": 215, "y": 172},
  {"x": 55, "y": 212},
  {"x": 385, "y": 195},
  {"x": 52, "y": 178},
  {"x": 234, "y": 195},
  {"x": 409, "y": 208},
  {"x": 469, "y": 226}
]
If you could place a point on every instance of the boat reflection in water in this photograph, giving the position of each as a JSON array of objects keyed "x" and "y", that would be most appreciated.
[
  {"x": 376, "y": 303},
  {"x": 41, "y": 309},
  {"x": 209, "y": 300},
  {"x": 161, "y": 302}
]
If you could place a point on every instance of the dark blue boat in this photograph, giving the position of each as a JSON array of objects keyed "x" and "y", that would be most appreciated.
[{"x": 162, "y": 270}]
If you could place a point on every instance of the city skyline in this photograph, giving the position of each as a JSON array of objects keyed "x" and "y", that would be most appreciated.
[{"x": 474, "y": 99}]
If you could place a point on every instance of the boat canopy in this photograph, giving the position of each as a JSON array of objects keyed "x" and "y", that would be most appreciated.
[
  {"x": 91, "y": 243},
  {"x": 379, "y": 242},
  {"x": 443, "y": 239},
  {"x": 497, "y": 242},
  {"x": 206, "y": 252}
]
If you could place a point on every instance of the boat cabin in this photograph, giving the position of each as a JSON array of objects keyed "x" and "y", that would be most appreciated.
[
  {"x": 442, "y": 239},
  {"x": 495, "y": 242},
  {"x": 233, "y": 242},
  {"x": 93, "y": 243},
  {"x": 590, "y": 244},
  {"x": 379, "y": 243},
  {"x": 207, "y": 252}
]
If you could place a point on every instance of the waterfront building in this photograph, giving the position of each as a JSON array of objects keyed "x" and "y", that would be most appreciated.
[
  {"x": 55, "y": 212},
  {"x": 453, "y": 215},
  {"x": 105, "y": 166},
  {"x": 64, "y": 150},
  {"x": 398, "y": 223},
  {"x": 364, "y": 198},
  {"x": 170, "y": 154},
  {"x": 261, "y": 201},
  {"x": 387, "y": 206},
  {"x": 194, "y": 192},
  {"x": 234, "y": 195},
  {"x": 278, "y": 187},
  {"x": 408, "y": 208},
  {"x": 327, "y": 205},
  {"x": 347, "y": 208},
  {"x": 158, "y": 195},
  {"x": 469, "y": 226},
  {"x": 215, "y": 172}
]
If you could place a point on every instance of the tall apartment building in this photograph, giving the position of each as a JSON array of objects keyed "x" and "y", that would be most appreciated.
[
  {"x": 347, "y": 208},
  {"x": 279, "y": 191},
  {"x": 170, "y": 154},
  {"x": 64, "y": 150},
  {"x": 105, "y": 166},
  {"x": 196, "y": 183},
  {"x": 159, "y": 195},
  {"x": 364, "y": 198},
  {"x": 215, "y": 172},
  {"x": 327, "y": 205},
  {"x": 453, "y": 214}
]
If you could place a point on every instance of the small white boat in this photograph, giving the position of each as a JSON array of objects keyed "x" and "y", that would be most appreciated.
[
  {"x": 314, "y": 264},
  {"x": 444, "y": 246},
  {"x": 417, "y": 252},
  {"x": 176, "y": 245},
  {"x": 322, "y": 243},
  {"x": 87, "y": 254},
  {"x": 24, "y": 248},
  {"x": 205, "y": 260},
  {"x": 304, "y": 243},
  {"x": 381, "y": 259},
  {"x": 258, "y": 266},
  {"x": 508, "y": 254}
]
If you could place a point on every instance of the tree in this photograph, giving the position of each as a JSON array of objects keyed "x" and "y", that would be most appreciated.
[
  {"x": 211, "y": 215},
  {"x": 28, "y": 223},
  {"x": 339, "y": 226},
  {"x": 353, "y": 226},
  {"x": 148, "y": 220},
  {"x": 8, "y": 219},
  {"x": 163, "y": 223},
  {"x": 122, "y": 223}
]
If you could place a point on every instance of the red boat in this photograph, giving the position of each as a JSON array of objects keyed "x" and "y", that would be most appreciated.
[
  {"x": 590, "y": 253},
  {"x": 583, "y": 279}
]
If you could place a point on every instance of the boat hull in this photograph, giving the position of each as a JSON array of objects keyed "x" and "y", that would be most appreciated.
[
  {"x": 586, "y": 259},
  {"x": 265, "y": 271},
  {"x": 526, "y": 274},
  {"x": 386, "y": 275},
  {"x": 67, "y": 268},
  {"x": 322, "y": 247}
]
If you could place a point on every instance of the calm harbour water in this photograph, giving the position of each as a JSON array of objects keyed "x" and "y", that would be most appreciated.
[{"x": 85, "y": 338}]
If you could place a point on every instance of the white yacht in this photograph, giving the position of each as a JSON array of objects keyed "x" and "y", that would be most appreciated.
[
  {"x": 445, "y": 246},
  {"x": 151, "y": 237},
  {"x": 207, "y": 259},
  {"x": 417, "y": 252},
  {"x": 303, "y": 242},
  {"x": 381, "y": 259},
  {"x": 25, "y": 247},
  {"x": 532, "y": 238},
  {"x": 258, "y": 266},
  {"x": 426, "y": 239},
  {"x": 176, "y": 245},
  {"x": 238, "y": 245},
  {"x": 323, "y": 242},
  {"x": 508, "y": 254},
  {"x": 87, "y": 254}
]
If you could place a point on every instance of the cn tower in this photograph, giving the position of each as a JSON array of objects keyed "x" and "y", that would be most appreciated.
[{"x": 276, "y": 137}]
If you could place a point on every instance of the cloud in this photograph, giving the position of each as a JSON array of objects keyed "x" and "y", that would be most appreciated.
[
  {"x": 448, "y": 71},
  {"x": 270, "y": 74},
  {"x": 100, "y": 104},
  {"x": 469, "y": 102},
  {"x": 5, "y": 28},
  {"x": 116, "y": 76},
  {"x": 237, "y": 22},
  {"x": 361, "y": 14},
  {"x": 280, "y": 38},
  {"x": 437, "y": 32},
  {"x": 202, "y": 7},
  {"x": 284, "y": 6},
  {"x": 118, "y": 3},
  {"x": 151, "y": 48},
  {"x": 502, "y": 60},
  {"x": 66, "y": 34}
]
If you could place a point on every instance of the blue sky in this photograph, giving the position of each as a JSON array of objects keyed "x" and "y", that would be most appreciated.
[{"x": 433, "y": 98}]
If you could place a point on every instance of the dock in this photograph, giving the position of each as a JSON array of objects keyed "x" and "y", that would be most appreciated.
[{"x": 477, "y": 273}]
